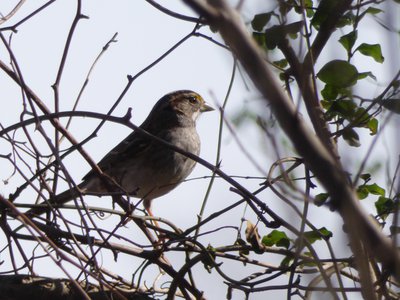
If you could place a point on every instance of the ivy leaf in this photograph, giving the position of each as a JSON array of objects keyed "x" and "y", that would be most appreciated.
[
  {"x": 276, "y": 237},
  {"x": 308, "y": 5},
  {"x": 373, "y": 51},
  {"x": 364, "y": 190},
  {"x": 320, "y": 199},
  {"x": 277, "y": 34},
  {"x": 348, "y": 40},
  {"x": 344, "y": 108},
  {"x": 282, "y": 63},
  {"x": 351, "y": 137},
  {"x": 363, "y": 75},
  {"x": 285, "y": 7},
  {"x": 373, "y": 10},
  {"x": 375, "y": 189},
  {"x": 317, "y": 235},
  {"x": 330, "y": 92},
  {"x": 362, "y": 118},
  {"x": 260, "y": 20},
  {"x": 392, "y": 104},
  {"x": 309, "y": 263},
  {"x": 361, "y": 115},
  {"x": 346, "y": 19},
  {"x": 324, "y": 9},
  {"x": 260, "y": 39},
  {"x": 326, "y": 104},
  {"x": 338, "y": 73},
  {"x": 372, "y": 125},
  {"x": 366, "y": 177},
  {"x": 384, "y": 206},
  {"x": 286, "y": 261}
]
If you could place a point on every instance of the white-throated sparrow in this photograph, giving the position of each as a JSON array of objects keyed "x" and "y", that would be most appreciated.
[{"x": 142, "y": 167}]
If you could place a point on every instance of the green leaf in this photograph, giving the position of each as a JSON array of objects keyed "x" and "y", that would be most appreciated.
[
  {"x": 309, "y": 263},
  {"x": 282, "y": 63},
  {"x": 372, "y": 125},
  {"x": 273, "y": 36},
  {"x": 317, "y": 235},
  {"x": 366, "y": 177},
  {"x": 347, "y": 19},
  {"x": 375, "y": 189},
  {"x": 339, "y": 108},
  {"x": 373, "y": 51},
  {"x": 326, "y": 104},
  {"x": 348, "y": 40},
  {"x": 351, "y": 137},
  {"x": 260, "y": 20},
  {"x": 338, "y": 73},
  {"x": 363, "y": 75},
  {"x": 373, "y": 10},
  {"x": 321, "y": 198},
  {"x": 345, "y": 108},
  {"x": 285, "y": 7},
  {"x": 362, "y": 192},
  {"x": 330, "y": 92},
  {"x": 392, "y": 104},
  {"x": 276, "y": 237},
  {"x": 277, "y": 34},
  {"x": 324, "y": 9},
  {"x": 292, "y": 28},
  {"x": 308, "y": 4},
  {"x": 283, "y": 76},
  {"x": 260, "y": 39},
  {"x": 361, "y": 117},
  {"x": 286, "y": 261},
  {"x": 384, "y": 206}
]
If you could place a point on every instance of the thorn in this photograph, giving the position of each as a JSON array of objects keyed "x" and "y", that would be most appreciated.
[{"x": 128, "y": 115}]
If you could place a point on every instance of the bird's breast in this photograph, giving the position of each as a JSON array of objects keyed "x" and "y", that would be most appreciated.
[{"x": 161, "y": 168}]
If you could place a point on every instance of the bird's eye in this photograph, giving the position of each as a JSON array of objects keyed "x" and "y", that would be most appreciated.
[{"x": 193, "y": 100}]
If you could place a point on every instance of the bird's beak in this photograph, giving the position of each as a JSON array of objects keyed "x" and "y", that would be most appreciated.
[{"x": 205, "y": 107}]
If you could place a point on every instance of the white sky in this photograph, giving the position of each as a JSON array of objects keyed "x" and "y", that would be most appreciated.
[{"x": 143, "y": 35}]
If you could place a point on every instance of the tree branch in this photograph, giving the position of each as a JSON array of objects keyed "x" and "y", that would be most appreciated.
[{"x": 361, "y": 229}]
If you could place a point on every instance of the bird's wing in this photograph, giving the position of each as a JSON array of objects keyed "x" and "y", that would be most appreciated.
[{"x": 132, "y": 146}]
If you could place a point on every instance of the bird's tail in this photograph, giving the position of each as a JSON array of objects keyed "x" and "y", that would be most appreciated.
[{"x": 56, "y": 201}]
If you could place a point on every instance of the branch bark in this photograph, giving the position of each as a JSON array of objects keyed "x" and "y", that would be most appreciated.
[{"x": 17, "y": 287}]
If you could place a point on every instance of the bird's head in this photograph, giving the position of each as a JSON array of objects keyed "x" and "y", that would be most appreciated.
[{"x": 181, "y": 107}]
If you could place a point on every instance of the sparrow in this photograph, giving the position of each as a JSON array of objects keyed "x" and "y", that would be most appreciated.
[{"x": 140, "y": 166}]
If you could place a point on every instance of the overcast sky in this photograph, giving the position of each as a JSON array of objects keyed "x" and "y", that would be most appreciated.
[{"x": 144, "y": 34}]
